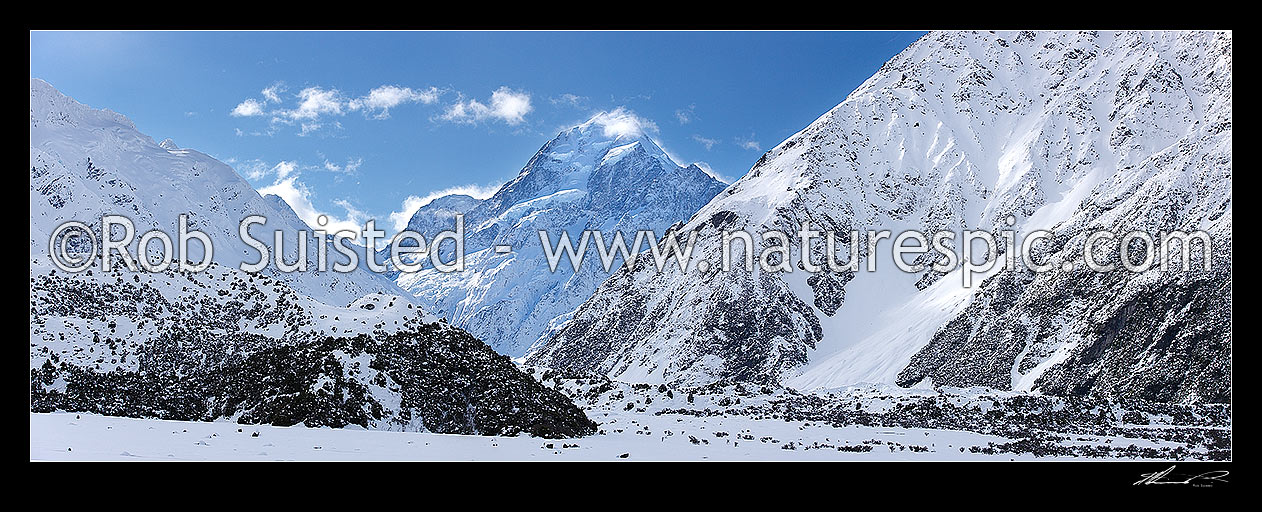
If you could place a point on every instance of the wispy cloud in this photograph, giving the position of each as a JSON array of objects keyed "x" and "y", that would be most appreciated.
[
  {"x": 255, "y": 170},
  {"x": 316, "y": 108},
  {"x": 506, "y": 105},
  {"x": 315, "y": 102},
  {"x": 316, "y": 105},
  {"x": 349, "y": 167},
  {"x": 748, "y": 143},
  {"x": 272, "y": 93},
  {"x": 386, "y": 97},
  {"x": 309, "y": 128},
  {"x": 284, "y": 169},
  {"x": 708, "y": 143},
  {"x": 568, "y": 99},
  {"x": 686, "y": 115},
  {"x": 252, "y": 170}
]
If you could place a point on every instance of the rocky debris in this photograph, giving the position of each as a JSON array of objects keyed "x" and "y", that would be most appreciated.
[{"x": 169, "y": 346}]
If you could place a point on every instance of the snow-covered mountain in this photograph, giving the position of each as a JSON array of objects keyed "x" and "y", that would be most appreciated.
[
  {"x": 311, "y": 348},
  {"x": 86, "y": 163},
  {"x": 1067, "y": 131},
  {"x": 605, "y": 174}
]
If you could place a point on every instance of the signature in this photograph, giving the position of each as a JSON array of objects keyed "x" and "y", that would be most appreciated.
[{"x": 1206, "y": 479}]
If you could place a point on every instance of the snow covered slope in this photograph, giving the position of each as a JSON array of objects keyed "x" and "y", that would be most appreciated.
[
  {"x": 604, "y": 174},
  {"x": 318, "y": 349},
  {"x": 86, "y": 163},
  {"x": 225, "y": 344},
  {"x": 1068, "y": 131}
]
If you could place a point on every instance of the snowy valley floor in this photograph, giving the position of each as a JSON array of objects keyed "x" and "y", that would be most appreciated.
[
  {"x": 640, "y": 422},
  {"x": 67, "y": 436}
]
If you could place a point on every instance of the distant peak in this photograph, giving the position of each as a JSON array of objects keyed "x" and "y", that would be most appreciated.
[
  {"x": 168, "y": 144},
  {"x": 449, "y": 201}
]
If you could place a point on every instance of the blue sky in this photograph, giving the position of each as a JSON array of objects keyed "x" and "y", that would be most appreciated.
[{"x": 362, "y": 125}]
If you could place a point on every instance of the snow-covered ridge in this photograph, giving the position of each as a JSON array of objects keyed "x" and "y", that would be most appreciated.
[
  {"x": 86, "y": 163},
  {"x": 1066, "y": 131}
]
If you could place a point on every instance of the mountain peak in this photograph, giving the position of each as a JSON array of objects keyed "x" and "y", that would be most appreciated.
[
  {"x": 606, "y": 172},
  {"x": 604, "y": 136}
]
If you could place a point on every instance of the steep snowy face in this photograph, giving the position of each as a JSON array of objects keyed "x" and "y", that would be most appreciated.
[
  {"x": 437, "y": 215},
  {"x": 86, "y": 163},
  {"x": 604, "y": 174},
  {"x": 1066, "y": 131}
]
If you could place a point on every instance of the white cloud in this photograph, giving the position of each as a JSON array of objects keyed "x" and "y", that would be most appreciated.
[
  {"x": 708, "y": 143},
  {"x": 399, "y": 219},
  {"x": 350, "y": 167},
  {"x": 621, "y": 121},
  {"x": 256, "y": 169},
  {"x": 509, "y": 105},
  {"x": 288, "y": 185},
  {"x": 298, "y": 196},
  {"x": 308, "y": 128},
  {"x": 284, "y": 169},
  {"x": 248, "y": 108},
  {"x": 253, "y": 170},
  {"x": 315, "y": 102},
  {"x": 386, "y": 97},
  {"x": 506, "y": 105},
  {"x": 272, "y": 93}
]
